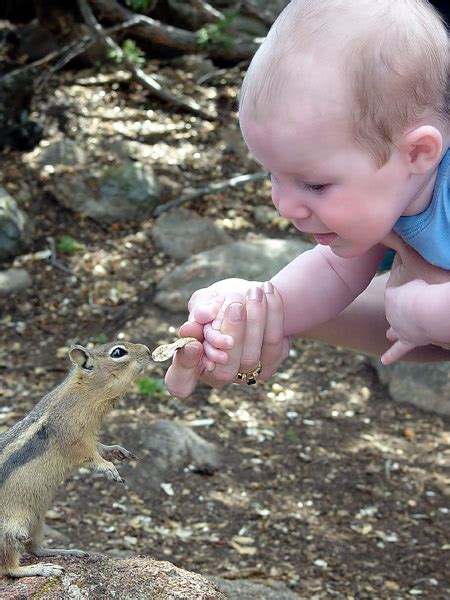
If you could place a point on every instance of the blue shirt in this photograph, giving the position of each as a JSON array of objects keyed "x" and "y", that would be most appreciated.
[{"x": 429, "y": 231}]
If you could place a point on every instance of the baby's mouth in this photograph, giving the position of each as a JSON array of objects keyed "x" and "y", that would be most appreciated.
[{"x": 325, "y": 239}]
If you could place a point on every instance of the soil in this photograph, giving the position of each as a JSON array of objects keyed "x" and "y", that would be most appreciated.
[{"x": 326, "y": 484}]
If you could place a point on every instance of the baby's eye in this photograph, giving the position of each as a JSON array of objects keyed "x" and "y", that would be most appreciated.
[{"x": 317, "y": 188}]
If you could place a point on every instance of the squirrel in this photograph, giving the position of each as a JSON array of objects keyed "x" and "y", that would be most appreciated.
[{"x": 55, "y": 438}]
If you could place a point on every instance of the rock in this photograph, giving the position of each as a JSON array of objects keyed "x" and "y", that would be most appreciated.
[
  {"x": 171, "y": 446},
  {"x": 123, "y": 191},
  {"x": 245, "y": 589},
  {"x": 254, "y": 260},
  {"x": 180, "y": 233},
  {"x": 15, "y": 229},
  {"x": 424, "y": 385},
  {"x": 99, "y": 577},
  {"x": 14, "y": 280},
  {"x": 61, "y": 152}
]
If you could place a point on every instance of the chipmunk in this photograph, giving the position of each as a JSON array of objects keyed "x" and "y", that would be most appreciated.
[{"x": 54, "y": 439}]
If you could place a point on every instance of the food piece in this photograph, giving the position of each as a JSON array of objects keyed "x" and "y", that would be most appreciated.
[{"x": 166, "y": 351}]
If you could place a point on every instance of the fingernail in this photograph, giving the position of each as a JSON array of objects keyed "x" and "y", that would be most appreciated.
[
  {"x": 236, "y": 312},
  {"x": 268, "y": 287},
  {"x": 228, "y": 341},
  {"x": 255, "y": 294}
]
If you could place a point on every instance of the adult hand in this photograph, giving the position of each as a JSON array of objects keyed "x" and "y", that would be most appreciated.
[
  {"x": 404, "y": 306},
  {"x": 410, "y": 276},
  {"x": 253, "y": 324}
]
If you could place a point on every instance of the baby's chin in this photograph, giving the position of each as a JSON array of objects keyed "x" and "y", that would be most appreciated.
[{"x": 345, "y": 251}]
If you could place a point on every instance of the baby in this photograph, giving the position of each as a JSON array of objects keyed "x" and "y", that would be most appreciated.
[{"x": 345, "y": 104}]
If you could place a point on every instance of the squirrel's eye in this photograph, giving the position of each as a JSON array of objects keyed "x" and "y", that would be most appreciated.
[{"x": 118, "y": 352}]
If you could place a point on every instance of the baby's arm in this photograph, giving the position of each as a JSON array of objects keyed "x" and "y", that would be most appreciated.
[
  {"x": 314, "y": 287},
  {"x": 318, "y": 285},
  {"x": 418, "y": 314}
]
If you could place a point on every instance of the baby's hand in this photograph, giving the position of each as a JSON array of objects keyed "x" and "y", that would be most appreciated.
[
  {"x": 404, "y": 306},
  {"x": 207, "y": 308}
]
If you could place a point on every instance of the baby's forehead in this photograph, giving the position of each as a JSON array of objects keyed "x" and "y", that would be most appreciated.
[{"x": 298, "y": 87}]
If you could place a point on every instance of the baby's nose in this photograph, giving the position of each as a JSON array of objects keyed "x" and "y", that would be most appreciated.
[{"x": 293, "y": 209}]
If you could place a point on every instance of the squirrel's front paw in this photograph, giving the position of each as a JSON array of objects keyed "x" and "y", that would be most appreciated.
[
  {"x": 109, "y": 452},
  {"x": 108, "y": 469}
]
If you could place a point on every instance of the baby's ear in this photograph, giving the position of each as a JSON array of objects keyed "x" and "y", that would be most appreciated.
[
  {"x": 81, "y": 357},
  {"x": 422, "y": 148}
]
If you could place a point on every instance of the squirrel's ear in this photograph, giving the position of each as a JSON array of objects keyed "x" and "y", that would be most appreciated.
[{"x": 81, "y": 357}]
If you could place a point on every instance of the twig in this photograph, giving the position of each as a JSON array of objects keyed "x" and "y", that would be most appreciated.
[
  {"x": 207, "y": 11},
  {"x": 138, "y": 73},
  {"x": 56, "y": 262},
  {"x": 215, "y": 187}
]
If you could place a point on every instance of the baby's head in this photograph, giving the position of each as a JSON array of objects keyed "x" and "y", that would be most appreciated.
[{"x": 378, "y": 66}]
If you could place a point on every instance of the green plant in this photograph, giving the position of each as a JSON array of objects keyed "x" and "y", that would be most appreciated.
[
  {"x": 100, "y": 338},
  {"x": 151, "y": 387},
  {"x": 214, "y": 33},
  {"x": 129, "y": 51},
  {"x": 66, "y": 244},
  {"x": 139, "y": 5},
  {"x": 291, "y": 437}
]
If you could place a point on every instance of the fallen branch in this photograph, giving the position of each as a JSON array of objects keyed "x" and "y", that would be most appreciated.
[
  {"x": 215, "y": 187},
  {"x": 64, "y": 55},
  {"x": 208, "y": 12},
  {"x": 147, "y": 81},
  {"x": 165, "y": 35},
  {"x": 76, "y": 48}
]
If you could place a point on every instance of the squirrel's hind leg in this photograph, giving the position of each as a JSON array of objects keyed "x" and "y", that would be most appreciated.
[
  {"x": 35, "y": 545},
  {"x": 11, "y": 547}
]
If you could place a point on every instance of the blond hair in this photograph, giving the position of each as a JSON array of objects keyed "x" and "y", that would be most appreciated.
[{"x": 395, "y": 57}]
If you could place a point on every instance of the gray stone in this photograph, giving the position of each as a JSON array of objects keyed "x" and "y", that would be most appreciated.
[
  {"x": 245, "y": 589},
  {"x": 14, "y": 280},
  {"x": 171, "y": 446},
  {"x": 424, "y": 385},
  {"x": 180, "y": 233},
  {"x": 61, "y": 152},
  {"x": 15, "y": 229},
  {"x": 125, "y": 190},
  {"x": 256, "y": 260},
  {"x": 118, "y": 193}
]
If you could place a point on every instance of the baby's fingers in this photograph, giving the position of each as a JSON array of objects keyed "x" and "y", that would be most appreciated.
[
  {"x": 396, "y": 351},
  {"x": 192, "y": 329}
]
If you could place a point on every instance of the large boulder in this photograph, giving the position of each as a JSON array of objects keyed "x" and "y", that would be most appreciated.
[
  {"x": 253, "y": 260},
  {"x": 180, "y": 233},
  {"x": 100, "y": 577},
  {"x": 426, "y": 386},
  {"x": 121, "y": 191}
]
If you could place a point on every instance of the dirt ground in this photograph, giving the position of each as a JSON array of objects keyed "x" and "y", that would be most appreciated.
[{"x": 326, "y": 484}]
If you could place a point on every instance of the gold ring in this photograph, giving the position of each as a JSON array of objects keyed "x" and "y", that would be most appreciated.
[{"x": 250, "y": 377}]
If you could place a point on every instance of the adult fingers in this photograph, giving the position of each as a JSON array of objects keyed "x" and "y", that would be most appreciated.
[
  {"x": 183, "y": 374},
  {"x": 276, "y": 346},
  {"x": 256, "y": 309}
]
